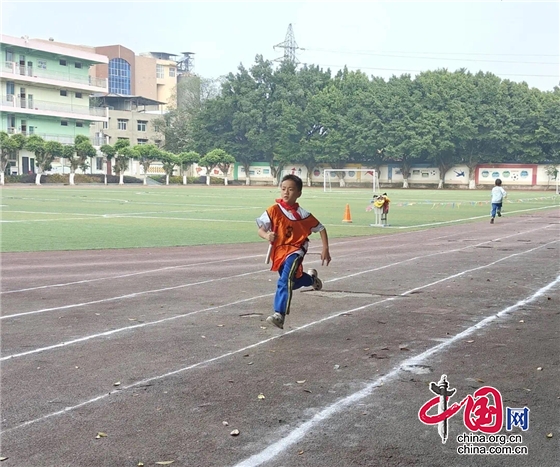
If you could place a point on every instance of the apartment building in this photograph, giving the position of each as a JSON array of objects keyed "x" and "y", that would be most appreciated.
[
  {"x": 152, "y": 75},
  {"x": 130, "y": 117},
  {"x": 46, "y": 88}
]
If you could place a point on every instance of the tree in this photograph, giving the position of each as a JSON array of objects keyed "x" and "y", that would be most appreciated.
[
  {"x": 108, "y": 152},
  {"x": 43, "y": 160},
  {"x": 123, "y": 153},
  {"x": 404, "y": 144},
  {"x": 9, "y": 149},
  {"x": 173, "y": 127},
  {"x": 146, "y": 154},
  {"x": 169, "y": 161},
  {"x": 226, "y": 161},
  {"x": 78, "y": 157},
  {"x": 185, "y": 161},
  {"x": 54, "y": 149},
  {"x": 210, "y": 161}
]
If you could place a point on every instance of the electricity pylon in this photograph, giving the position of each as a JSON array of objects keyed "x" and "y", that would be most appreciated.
[{"x": 290, "y": 46}]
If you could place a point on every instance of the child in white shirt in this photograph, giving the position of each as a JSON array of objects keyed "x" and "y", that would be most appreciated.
[{"x": 498, "y": 195}]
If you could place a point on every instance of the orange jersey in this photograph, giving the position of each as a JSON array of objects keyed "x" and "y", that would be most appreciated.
[{"x": 291, "y": 235}]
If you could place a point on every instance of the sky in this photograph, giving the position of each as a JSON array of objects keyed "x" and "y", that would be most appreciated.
[{"x": 515, "y": 40}]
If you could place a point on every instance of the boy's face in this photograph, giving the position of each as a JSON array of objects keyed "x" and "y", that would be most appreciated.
[{"x": 290, "y": 192}]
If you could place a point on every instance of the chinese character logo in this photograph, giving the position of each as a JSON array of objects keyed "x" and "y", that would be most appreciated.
[{"x": 483, "y": 410}]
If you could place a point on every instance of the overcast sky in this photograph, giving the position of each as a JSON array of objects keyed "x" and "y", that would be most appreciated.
[{"x": 519, "y": 41}]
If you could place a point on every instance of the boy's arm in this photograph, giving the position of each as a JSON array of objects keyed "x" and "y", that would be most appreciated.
[
  {"x": 266, "y": 235},
  {"x": 325, "y": 254}
]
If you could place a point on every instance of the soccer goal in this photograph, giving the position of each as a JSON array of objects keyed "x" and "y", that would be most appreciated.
[{"x": 364, "y": 177}]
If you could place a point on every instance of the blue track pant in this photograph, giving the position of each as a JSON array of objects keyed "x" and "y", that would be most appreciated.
[
  {"x": 287, "y": 282},
  {"x": 496, "y": 207}
]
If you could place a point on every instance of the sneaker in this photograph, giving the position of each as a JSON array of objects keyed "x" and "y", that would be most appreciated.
[
  {"x": 499, "y": 213},
  {"x": 492, "y": 221},
  {"x": 317, "y": 283},
  {"x": 277, "y": 319}
]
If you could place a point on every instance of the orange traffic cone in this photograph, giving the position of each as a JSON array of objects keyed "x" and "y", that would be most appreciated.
[{"x": 347, "y": 217}]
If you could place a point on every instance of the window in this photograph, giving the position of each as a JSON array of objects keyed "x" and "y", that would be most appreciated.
[
  {"x": 172, "y": 72},
  {"x": 99, "y": 163},
  {"x": 78, "y": 65},
  {"x": 11, "y": 121},
  {"x": 142, "y": 124},
  {"x": 105, "y": 125},
  {"x": 62, "y": 62},
  {"x": 9, "y": 55},
  {"x": 10, "y": 90},
  {"x": 142, "y": 141},
  {"x": 42, "y": 64},
  {"x": 159, "y": 71},
  {"x": 78, "y": 95},
  {"x": 122, "y": 124},
  {"x": 122, "y": 139},
  {"x": 79, "y": 124},
  {"x": 63, "y": 92},
  {"x": 64, "y": 122},
  {"x": 119, "y": 76}
]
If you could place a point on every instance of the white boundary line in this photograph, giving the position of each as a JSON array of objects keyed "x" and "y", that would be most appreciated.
[
  {"x": 164, "y": 289},
  {"x": 149, "y": 271},
  {"x": 120, "y": 276},
  {"x": 295, "y": 435},
  {"x": 225, "y": 305},
  {"x": 466, "y": 219},
  {"x": 302, "y": 430}
]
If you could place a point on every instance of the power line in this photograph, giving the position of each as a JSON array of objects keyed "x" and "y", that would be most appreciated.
[
  {"x": 395, "y": 55},
  {"x": 419, "y": 71}
]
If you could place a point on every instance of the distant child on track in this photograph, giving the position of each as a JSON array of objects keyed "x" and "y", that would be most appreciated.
[
  {"x": 498, "y": 195},
  {"x": 287, "y": 226}
]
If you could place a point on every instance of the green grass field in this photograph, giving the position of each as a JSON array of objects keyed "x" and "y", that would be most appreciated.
[{"x": 96, "y": 217}]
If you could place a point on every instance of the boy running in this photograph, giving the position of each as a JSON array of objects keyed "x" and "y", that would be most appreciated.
[
  {"x": 287, "y": 226},
  {"x": 498, "y": 195}
]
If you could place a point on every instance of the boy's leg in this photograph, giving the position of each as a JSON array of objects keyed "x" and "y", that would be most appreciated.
[
  {"x": 499, "y": 210},
  {"x": 284, "y": 287},
  {"x": 286, "y": 283},
  {"x": 493, "y": 212}
]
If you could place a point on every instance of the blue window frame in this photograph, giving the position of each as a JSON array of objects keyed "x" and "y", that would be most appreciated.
[{"x": 119, "y": 76}]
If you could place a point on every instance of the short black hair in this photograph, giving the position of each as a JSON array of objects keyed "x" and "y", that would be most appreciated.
[
  {"x": 498, "y": 182},
  {"x": 295, "y": 179}
]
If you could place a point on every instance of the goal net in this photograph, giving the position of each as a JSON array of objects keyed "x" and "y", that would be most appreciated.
[{"x": 340, "y": 178}]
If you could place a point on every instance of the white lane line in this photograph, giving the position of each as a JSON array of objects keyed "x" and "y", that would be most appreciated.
[
  {"x": 58, "y": 219},
  {"x": 468, "y": 218},
  {"x": 128, "y": 328},
  {"x": 149, "y": 271},
  {"x": 131, "y": 295},
  {"x": 336, "y": 407},
  {"x": 144, "y": 292},
  {"x": 269, "y": 453}
]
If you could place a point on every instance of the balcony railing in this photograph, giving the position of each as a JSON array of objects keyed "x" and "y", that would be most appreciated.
[
  {"x": 16, "y": 102},
  {"x": 34, "y": 72},
  {"x": 63, "y": 139}
]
